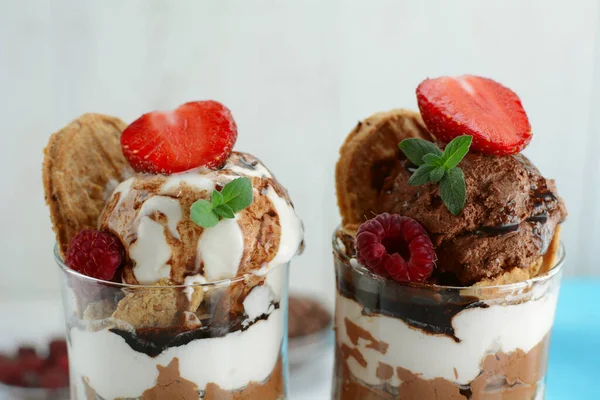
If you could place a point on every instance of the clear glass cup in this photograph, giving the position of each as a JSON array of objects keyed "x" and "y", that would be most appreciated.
[
  {"x": 415, "y": 341},
  {"x": 214, "y": 340}
]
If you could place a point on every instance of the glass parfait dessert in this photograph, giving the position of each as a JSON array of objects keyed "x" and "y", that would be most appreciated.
[
  {"x": 448, "y": 259},
  {"x": 175, "y": 252}
]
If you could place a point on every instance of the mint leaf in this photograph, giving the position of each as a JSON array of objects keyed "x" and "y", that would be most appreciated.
[
  {"x": 224, "y": 211},
  {"x": 437, "y": 166},
  {"x": 202, "y": 214},
  {"x": 433, "y": 159},
  {"x": 437, "y": 174},
  {"x": 217, "y": 199},
  {"x": 234, "y": 196},
  {"x": 421, "y": 175},
  {"x": 238, "y": 194},
  {"x": 415, "y": 149},
  {"x": 456, "y": 150},
  {"x": 453, "y": 190}
]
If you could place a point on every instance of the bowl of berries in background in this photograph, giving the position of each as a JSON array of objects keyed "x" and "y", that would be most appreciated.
[{"x": 34, "y": 363}]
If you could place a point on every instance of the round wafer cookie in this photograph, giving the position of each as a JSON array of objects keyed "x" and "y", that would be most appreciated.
[
  {"x": 368, "y": 155},
  {"x": 83, "y": 162}
]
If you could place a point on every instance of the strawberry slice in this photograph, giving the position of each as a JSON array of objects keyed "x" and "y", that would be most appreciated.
[
  {"x": 199, "y": 133},
  {"x": 476, "y": 106}
]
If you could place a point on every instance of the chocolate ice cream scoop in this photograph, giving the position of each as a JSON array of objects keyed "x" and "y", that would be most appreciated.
[
  {"x": 510, "y": 216},
  {"x": 509, "y": 219}
]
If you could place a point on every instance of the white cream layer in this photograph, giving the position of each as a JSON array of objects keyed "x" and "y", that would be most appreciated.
[
  {"x": 481, "y": 330},
  {"x": 221, "y": 249},
  {"x": 231, "y": 361},
  {"x": 292, "y": 230}
]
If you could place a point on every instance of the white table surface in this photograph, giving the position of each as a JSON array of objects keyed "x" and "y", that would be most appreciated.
[{"x": 312, "y": 381}]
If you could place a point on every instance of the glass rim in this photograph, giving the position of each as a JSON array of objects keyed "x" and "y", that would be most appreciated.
[
  {"x": 556, "y": 268},
  {"x": 212, "y": 284}
]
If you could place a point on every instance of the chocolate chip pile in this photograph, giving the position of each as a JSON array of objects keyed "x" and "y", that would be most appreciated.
[{"x": 306, "y": 316}]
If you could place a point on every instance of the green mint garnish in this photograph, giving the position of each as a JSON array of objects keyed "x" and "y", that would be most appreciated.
[
  {"x": 416, "y": 149},
  {"x": 202, "y": 214},
  {"x": 437, "y": 166},
  {"x": 453, "y": 190},
  {"x": 234, "y": 197}
]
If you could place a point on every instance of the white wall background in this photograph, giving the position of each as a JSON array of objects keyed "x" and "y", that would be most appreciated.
[{"x": 297, "y": 76}]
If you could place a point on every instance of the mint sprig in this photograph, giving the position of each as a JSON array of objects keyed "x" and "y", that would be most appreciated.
[
  {"x": 234, "y": 197},
  {"x": 440, "y": 166}
]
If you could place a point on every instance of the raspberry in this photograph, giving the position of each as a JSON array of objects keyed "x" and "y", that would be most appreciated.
[
  {"x": 95, "y": 253},
  {"x": 395, "y": 247}
]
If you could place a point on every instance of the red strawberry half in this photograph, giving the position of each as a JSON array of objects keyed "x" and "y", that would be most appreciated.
[
  {"x": 476, "y": 106},
  {"x": 199, "y": 133}
]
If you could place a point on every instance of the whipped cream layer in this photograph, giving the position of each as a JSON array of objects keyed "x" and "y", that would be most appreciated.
[
  {"x": 231, "y": 361},
  {"x": 151, "y": 216},
  {"x": 500, "y": 327}
]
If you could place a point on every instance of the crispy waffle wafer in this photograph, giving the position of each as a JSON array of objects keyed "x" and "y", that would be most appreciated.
[
  {"x": 513, "y": 275},
  {"x": 552, "y": 254},
  {"x": 544, "y": 264},
  {"x": 83, "y": 162},
  {"x": 368, "y": 154},
  {"x": 157, "y": 307}
]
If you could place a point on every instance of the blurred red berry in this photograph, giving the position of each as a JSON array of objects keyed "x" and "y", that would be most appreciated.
[
  {"x": 28, "y": 360},
  {"x": 57, "y": 348},
  {"x": 54, "y": 378},
  {"x": 62, "y": 362},
  {"x": 9, "y": 370}
]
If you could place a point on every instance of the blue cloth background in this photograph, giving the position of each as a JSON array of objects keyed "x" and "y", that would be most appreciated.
[{"x": 574, "y": 370}]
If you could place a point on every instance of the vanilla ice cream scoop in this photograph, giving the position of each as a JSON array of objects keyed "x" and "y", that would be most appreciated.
[{"x": 150, "y": 214}]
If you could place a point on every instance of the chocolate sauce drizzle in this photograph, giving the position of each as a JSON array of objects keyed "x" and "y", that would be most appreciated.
[
  {"x": 430, "y": 309},
  {"x": 243, "y": 162},
  {"x": 504, "y": 229},
  {"x": 543, "y": 202},
  {"x": 153, "y": 341}
]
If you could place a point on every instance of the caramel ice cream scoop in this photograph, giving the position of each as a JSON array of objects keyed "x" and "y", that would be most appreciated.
[{"x": 150, "y": 214}]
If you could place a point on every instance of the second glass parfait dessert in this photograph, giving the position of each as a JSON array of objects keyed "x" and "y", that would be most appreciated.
[
  {"x": 175, "y": 253},
  {"x": 448, "y": 260}
]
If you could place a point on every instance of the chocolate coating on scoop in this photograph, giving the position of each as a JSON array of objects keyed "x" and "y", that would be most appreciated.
[{"x": 509, "y": 218}]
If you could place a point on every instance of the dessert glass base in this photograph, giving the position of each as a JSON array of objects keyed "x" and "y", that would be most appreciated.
[
  {"x": 19, "y": 393},
  {"x": 419, "y": 341},
  {"x": 215, "y": 340}
]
